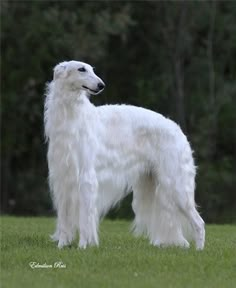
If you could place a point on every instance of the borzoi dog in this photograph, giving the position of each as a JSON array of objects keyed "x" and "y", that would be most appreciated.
[{"x": 96, "y": 155}]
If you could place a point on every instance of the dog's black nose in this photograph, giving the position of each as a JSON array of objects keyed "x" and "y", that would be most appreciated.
[{"x": 101, "y": 86}]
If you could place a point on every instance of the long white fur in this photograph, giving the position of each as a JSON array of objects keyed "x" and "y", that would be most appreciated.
[{"x": 96, "y": 155}]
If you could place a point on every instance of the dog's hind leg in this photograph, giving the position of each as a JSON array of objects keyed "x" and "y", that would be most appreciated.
[
  {"x": 155, "y": 213},
  {"x": 165, "y": 226},
  {"x": 197, "y": 224},
  {"x": 143, "y": 196},
  {"x": 184, "y": 199}
]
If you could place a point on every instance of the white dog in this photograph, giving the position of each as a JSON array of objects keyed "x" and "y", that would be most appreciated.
[{"x": 97, "y": 155}]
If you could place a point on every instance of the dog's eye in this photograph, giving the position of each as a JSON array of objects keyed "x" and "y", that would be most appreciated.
[{"x": 82, "y": 69}]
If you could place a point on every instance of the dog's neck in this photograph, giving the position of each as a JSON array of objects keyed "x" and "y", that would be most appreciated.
[
  {"x": 69, "y": 98},
  {"x": 65, "y": 107}
]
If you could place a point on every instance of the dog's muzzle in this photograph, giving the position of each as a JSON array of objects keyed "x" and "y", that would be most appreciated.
[{"x": 100, "y": 88}]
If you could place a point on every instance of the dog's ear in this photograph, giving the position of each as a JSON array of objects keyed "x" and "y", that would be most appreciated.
[{"x": 60, "y": 71}]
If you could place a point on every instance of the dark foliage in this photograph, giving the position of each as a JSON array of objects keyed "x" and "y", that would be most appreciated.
[{"x": 177, "y": 58}]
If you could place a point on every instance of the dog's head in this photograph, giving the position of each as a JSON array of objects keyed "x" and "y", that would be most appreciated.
[{"x": 77, "y": 75}]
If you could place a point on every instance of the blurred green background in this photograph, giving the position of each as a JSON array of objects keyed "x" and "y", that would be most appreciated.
[{"x": 177, "y": 58}]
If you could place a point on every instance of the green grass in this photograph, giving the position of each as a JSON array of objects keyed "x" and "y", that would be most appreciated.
[{"x": 120, "y": 261}]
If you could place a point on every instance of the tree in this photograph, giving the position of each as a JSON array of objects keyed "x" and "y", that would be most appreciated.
[{"x": 177, "y": 58}]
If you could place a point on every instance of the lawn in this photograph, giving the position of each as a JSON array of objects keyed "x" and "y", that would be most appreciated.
[{"x": 120, "y": 261}]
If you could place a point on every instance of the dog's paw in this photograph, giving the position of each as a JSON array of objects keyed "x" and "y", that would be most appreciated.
[
  {"x": 62, "y": 243},
  {"x": 162, "y": 244},
  {"x": 64, "y": 240},
  {"x": 185, "y": 244},
  {"x": 82, "y": 244},
  {"x": 200, "y": 241},
  {"x": 200, "y": 245},
  {"x": 54, "y": 237}
]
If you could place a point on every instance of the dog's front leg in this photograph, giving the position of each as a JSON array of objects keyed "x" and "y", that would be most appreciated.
[
  {"x": 88, "y": 216},
  {"x": 65, "y": 231}
]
